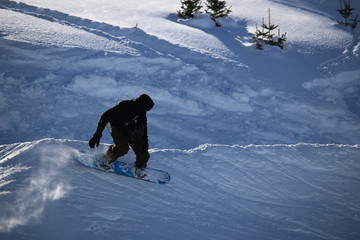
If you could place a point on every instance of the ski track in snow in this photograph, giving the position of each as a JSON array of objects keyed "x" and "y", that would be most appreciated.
[
  {"x": 218, "y": 191},
  {"x": 114, "y": 34}
]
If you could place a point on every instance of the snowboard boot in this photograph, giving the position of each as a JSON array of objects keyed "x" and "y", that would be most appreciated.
[
  {"x": 140, "y": 172},
  {"x": 105, "y": 163}
]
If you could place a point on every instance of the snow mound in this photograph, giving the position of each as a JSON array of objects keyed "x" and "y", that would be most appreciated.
[
  {"x": 25, "y": 28},
  {"x": 300, "y": 191},
  {"x": 317, "y": 28}
]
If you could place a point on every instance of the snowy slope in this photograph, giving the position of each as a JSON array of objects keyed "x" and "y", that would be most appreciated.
[
  {"x": 302, "y": 191},
  {"x": 266, "y": 97},
  {"x": 259, "y": 144}
]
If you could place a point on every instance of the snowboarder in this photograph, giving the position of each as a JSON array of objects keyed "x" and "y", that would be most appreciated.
[{"x": 128, "y": 123}]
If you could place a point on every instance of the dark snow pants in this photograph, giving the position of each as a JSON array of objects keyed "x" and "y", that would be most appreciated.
[{"x": 122, "y": 144}]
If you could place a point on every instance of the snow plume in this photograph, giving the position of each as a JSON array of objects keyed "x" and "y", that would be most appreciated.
[{"x": 40, "y": 184}]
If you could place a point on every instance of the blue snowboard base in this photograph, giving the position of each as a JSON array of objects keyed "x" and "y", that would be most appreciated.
[{"x": 125, "y": 169}]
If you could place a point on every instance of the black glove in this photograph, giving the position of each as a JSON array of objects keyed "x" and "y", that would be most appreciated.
[{"x": 95, "y": 140}]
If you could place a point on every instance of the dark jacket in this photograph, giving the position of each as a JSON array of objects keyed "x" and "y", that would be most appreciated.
[{"x": 125, "y": 113}]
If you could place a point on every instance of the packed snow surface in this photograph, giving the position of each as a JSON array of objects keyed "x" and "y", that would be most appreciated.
[
  {"x": 301, "y": 191},
  {"x": 259, "y": 144}
]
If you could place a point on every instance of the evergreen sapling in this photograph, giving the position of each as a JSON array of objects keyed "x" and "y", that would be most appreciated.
[
  {"x": 265, "y": 35},
  {"x": 346, "y": 11},
  {"x": 217, "y": 9},
  {"x": 189, "y": 9}
]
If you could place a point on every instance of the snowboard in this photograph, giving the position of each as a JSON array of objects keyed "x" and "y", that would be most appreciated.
[{"x": 126, "y": 169}]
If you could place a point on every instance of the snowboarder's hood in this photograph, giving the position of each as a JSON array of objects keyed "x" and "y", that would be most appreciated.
[{"x": 145, "y": 102}]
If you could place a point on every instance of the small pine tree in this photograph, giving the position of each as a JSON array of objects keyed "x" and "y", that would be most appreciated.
[
  {"x": 266, "y": 36},
  {"x": 189, "y": 8},
  {"x": 346, "y": 11},
  {"x": 355, "y": 21},
  {"x": 217, "y": 9}
]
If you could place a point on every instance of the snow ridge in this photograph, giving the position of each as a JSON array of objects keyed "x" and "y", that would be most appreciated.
[
  {"x": 203, "y": 147},
  {"x": 217, "y": 191}
]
